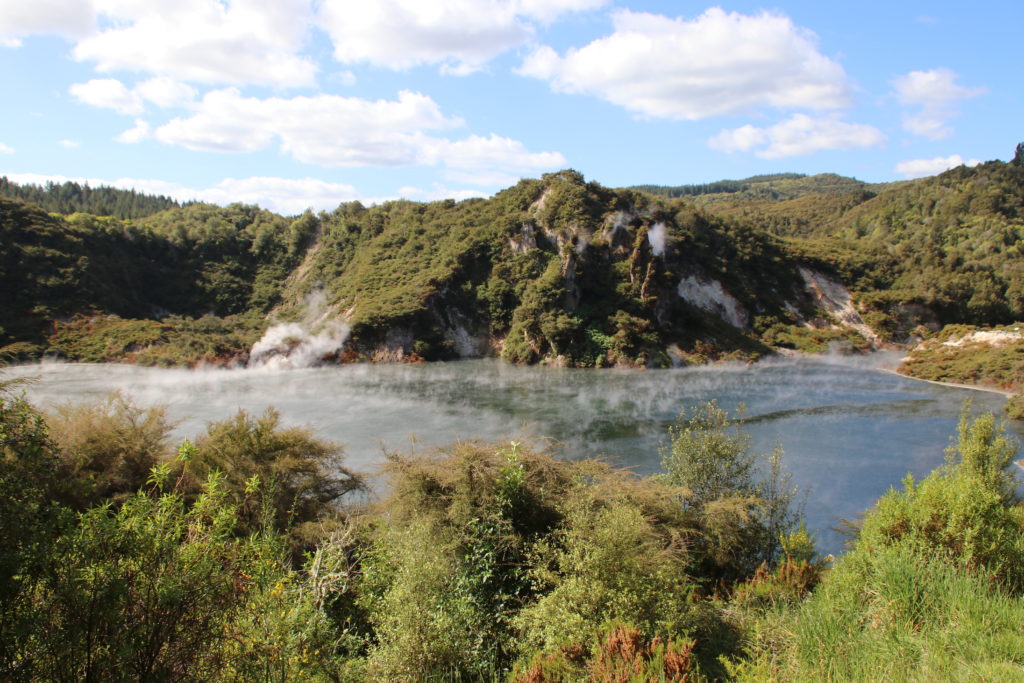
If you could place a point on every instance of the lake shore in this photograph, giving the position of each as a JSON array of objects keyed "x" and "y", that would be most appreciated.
[{"x": 957, "y": 385}]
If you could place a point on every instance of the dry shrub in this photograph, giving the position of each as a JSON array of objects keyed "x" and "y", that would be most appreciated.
[
  {"x": 107, "y": 447},
  {"x": 621, "y": 655}
]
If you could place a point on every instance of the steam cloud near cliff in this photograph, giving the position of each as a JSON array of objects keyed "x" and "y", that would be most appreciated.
[
  {"x": 303, "y": 344},
  {"x": 656, "y": 236}
]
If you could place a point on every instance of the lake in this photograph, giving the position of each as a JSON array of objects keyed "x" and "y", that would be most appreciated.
[{"x": 849, "y": 429}]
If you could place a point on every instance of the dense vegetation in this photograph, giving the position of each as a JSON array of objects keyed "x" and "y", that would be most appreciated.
[
  {"x": 556, "y": 270},
  {"x": 944, "y": 249},
  {"x": 775, "y": 186},
  {"x": 70, "y": 197},
  {"x": 243, "y": 557},
  {"x": 964, "y": 354}
]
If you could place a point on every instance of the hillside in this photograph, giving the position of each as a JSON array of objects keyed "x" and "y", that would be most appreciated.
[
  {"x": 555, "y": 269},
  {"x": 947, "y": 246},
  {"x": 70, "y": 197}
]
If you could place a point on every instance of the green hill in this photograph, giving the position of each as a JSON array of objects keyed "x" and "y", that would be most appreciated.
[{"x": 555, "y": 269}]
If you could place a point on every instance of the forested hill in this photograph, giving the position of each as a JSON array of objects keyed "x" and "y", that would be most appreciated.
[
  {"x": 70, "y": 197},
  {"x": 555, "y": 269},
  {"x": 773, "y": 187}
]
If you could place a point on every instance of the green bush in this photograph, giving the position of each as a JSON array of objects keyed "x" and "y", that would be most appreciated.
[
  {"x": 299, "y": 476},
  {"x": 107, "y": 448},
  {"x": 933, "y": 589}
]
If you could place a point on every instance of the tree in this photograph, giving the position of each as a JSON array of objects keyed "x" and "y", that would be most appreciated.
[
  {"x": 710, "y": 455},
  {"x": 743, "y": 516}
]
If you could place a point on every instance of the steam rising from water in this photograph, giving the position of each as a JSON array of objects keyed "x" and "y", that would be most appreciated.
[
  {"x": 291, "y": 345},
  {"x": 849, "y": 432},
  {"x": 656, "y": 236},
  {"x": 296, "y": 345}
]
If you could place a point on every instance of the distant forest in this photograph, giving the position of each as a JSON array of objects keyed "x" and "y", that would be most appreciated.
[
  {"x": 69, "y": 197},
  {"x": 717, "y": 187}
]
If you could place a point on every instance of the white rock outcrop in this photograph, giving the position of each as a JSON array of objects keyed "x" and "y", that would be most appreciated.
[
  {"x": 832, "y": 297},
  {"x": 710, "y": 296}
]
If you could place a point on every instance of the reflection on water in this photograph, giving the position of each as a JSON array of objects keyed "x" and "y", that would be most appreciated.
[{"x": 849, "y": 431}]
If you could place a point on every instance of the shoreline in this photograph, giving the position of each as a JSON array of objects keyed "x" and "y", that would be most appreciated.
[{"x": 957, "y": 385}]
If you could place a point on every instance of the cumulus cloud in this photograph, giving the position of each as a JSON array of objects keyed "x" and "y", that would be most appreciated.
[
  {"x": 138, "y": 133},
  {"x": 477, "y": 152},
  {"x": 322, "y": 129},
  {"x": 69, "y": 18},
  {"x": 70, "y": 144},
  {"x": 204, "y": 41},
  {"x": 284, "y": 195},
  {"x": 108, "y": 93},
  {"x": 331, "y": 130},
  {"x": 797, "y": 136},
  {"x": 459, "y": 35},
  {"x": 4, "y": 149},
  {"x": 166, "y": 92},
  {"x": 718, "y": 63},
  {"x": 919, "y": 168},
  {"x": 935, "y": 94},
  {"x": 438, "y": 192}
]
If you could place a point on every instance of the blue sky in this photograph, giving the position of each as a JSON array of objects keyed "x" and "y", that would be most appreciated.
[{"x": 298, "y": 103}]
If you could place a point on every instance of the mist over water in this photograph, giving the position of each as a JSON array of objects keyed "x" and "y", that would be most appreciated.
[{"x": 849, "y": 431}]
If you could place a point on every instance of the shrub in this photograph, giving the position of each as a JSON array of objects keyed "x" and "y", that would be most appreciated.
[
  {"x": 107, "y": 448},
  {"x": 741, "y": 517},
  {"x": 298, "y": 476}
]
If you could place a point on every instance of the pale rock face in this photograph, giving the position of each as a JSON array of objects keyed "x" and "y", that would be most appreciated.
[
  {"x": 710, "y": 296},
  {"x": 832, "y": 297},
  {"x": 524, "y": 241},
  {"x": 465, "y": 343},
  {"x": 988, "y": 337}
]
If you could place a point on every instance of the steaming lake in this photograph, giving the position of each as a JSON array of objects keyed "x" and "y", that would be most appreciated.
[{"x": 849, "y": 430}]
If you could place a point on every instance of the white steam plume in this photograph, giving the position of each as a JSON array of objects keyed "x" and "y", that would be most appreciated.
[
  {"x": 656, "y": 236},
  {"x": 295, "y": 345}
]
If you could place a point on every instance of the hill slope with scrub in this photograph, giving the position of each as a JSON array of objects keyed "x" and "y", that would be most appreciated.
[{"x": 556, "y": 270}]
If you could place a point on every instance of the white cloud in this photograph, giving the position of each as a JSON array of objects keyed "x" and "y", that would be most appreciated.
[
  {"x": 438, "y": 192},
  {"x": 459, "y": 35},
  {"x": 108, "y": 93},
  {"x": 284, "y": 195},
  {"x": 70, "y": 144},
  {"x": 935, "y": 94},
  {"x": 166, "y": 92},
  {"x": 330, "y": 130},
  {"x": 139, "y": 133},
  {"x": 718, "y": 63},
  {"x": 478, "y": 152},
  {"x": 323, "y": 129},
  {"x": 797, "y": 136},
  {"x": 4, "y": 149},
  {"x": 20, "y": 18},
  {"x": 205, "y": 41},
  {"x": 918, "y": 168}
]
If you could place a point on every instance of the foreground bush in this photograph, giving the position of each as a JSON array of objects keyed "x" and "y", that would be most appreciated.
[{"x": 933, "y": 590}]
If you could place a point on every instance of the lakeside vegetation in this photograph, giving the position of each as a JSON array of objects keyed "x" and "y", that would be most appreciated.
[
  {"x": 553, "y": 270},
  {"x": 255, "y": 554},
  {"x": 963, "y": 354}
]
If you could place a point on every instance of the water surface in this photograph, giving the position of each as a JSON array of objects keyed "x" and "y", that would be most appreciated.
[{"x": 848, "y": 429}]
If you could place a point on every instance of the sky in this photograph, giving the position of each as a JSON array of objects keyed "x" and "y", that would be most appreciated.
[{"x": 292, "y": 104}]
